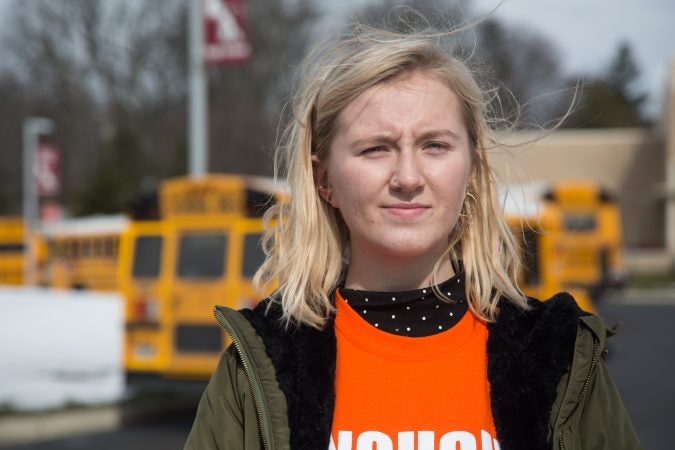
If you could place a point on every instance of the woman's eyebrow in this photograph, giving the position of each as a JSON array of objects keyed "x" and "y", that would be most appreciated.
[
  {"x": 384, "y": 137},
  {"x": 372, "y": 139},
  {"x": 433, "y": 134}
]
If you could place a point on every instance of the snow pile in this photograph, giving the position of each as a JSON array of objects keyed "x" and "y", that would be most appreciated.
[{"x": 59, "y": 347}]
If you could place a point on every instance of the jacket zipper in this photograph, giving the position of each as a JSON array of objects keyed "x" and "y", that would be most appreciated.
[
  {"x": 594, "y": 362},
  {"x": 253, "y": 384}
]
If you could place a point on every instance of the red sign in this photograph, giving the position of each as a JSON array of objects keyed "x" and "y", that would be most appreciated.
[
  {"x": 51, "y": 212},
  {"x": 225, "y": 37},
  {"x": 48, "y": 170}
]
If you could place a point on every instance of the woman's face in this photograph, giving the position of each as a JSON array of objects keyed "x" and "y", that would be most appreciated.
[{"x": 398, "y": 167}]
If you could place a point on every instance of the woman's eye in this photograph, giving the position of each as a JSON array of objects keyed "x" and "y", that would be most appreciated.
[
  {"x": 373, "y": 150},
  {"x": 437, "y": 146}
]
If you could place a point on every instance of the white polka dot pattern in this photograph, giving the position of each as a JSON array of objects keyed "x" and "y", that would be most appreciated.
[{"x": 414, "y": 313}]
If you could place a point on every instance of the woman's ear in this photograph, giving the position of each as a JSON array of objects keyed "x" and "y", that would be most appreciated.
[{"x": 320, "y": 179}]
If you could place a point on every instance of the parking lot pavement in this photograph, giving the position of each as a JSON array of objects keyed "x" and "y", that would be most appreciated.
[{"x": 641, "y": 361}]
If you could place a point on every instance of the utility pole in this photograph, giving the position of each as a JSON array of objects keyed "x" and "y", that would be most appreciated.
[
  {"x": 33, "y": 127},
  {"x": 198, "y": 118}
]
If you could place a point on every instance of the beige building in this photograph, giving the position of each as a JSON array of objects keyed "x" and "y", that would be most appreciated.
[{"x": 637, "y": 166}]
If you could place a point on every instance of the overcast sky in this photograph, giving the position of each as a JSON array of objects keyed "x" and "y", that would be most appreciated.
[{"x": 587, "y": 32}]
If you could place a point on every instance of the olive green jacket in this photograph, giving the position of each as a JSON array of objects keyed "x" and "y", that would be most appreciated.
[{"x": 550, "y": 389}]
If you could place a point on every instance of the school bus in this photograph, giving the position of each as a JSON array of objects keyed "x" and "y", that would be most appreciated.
[
  {"x": 11, "y": 250},
  {"x": 82, "y": 253},
  {"x": 570, "y": 233},
  {"x": 203, "y": 250}
]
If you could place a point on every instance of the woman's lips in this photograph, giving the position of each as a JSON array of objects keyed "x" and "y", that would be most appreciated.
[{"x": 406, "y": 209}]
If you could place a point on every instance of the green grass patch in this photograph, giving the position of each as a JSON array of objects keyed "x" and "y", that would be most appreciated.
[
  {"x": 6, "y": 409},
  {"x": 651, "y": 281}
]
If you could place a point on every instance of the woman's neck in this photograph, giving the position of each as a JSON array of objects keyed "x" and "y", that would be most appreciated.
[{"x": 384, "y": 273}]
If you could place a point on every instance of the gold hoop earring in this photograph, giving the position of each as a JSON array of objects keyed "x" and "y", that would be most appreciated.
[{"x": 468, "y": 197}]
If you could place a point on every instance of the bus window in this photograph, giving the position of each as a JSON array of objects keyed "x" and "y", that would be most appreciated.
[
  {"x": 202, "y": 255},
  {"x": 73, "y": 252},
  {"x": 98, "y": 247},
  {"x": 147, "y": 257},
  {"x": 580, "y": 222},
  {"x": 253, "y": 255},
  {"x": 85, "y": 248},
  {"x": 199, "y": 338},
  {"x": 11, "y": 248},
  {"x": 107, "y": 247}
]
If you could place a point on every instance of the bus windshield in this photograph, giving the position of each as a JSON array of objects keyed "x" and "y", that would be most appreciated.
[
  {"x": 202, "y": 255},
  {"x": 147, "y": 256},
  {"x": 253, "y": 254},
  {"x": 580, "y": 222}
]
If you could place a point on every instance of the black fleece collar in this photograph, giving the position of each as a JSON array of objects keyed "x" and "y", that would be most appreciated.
[
  {"x": 528, "y": 353},
  {"x": 304, "y": 359}
]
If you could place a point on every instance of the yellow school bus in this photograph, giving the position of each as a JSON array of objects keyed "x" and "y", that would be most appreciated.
[
  {"x": 144, "y": 283},
  {"x": 11, "y": 250},
  {"x": 202, "y": 251},
  {"x": 82, "y": 253},
  {"x": 570, "y": 233}
]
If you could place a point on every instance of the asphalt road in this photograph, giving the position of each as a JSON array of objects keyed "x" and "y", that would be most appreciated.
[
  {"x": 641, "y": 358},
  {"x": 169, "y": 433},
  {"x": 642, "y": 362}
]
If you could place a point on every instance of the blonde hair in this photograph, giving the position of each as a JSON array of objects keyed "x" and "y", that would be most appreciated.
[{"x": 307, "y": 240}]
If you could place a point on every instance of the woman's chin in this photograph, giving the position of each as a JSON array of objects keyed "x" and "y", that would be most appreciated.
[{"x": 412, "y": 251}]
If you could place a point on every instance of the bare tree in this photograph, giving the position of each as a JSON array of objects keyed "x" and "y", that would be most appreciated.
[
  {"x": 611, "y": 99},
  {"x": 113, "y": 76},
  {"x": 246, "y": 101},
  {"x": 519, "y": 68},
  {"x": 13, "y": 108},
  {"x": 411, "y": 15},
  {"x": 94, "y": 66},
  {"x": 115, "y": 52},
  {"x": 525, "y": 69}
]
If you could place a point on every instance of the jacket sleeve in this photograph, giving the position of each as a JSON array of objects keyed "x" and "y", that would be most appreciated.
[
  {"x": 604, "y": 423},
  {"x": 223, "y": 420}
]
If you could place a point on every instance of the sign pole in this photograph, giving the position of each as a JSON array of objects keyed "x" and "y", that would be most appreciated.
[
  {"x": 33, "y": 127},
  {"x": 198, "y": 117}
]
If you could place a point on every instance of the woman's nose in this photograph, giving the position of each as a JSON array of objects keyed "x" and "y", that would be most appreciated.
[{"x": 407, "y": 176}]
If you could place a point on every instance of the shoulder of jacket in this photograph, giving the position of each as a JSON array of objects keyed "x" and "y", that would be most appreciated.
[
  {"x": 534, "y": 344},
  {"x": 557, "y": 314},
  {"x": 264, "y": 314},
  {"x": 303, "y": 361}
]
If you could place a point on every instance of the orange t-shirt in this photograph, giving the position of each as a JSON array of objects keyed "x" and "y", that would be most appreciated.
[{"x": 403, "y": 393}]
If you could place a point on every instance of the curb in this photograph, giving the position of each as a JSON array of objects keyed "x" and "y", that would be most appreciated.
[{"x": 16, "y": 430}]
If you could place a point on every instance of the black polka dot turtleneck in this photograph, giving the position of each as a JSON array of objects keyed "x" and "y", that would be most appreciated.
[{"x": 414, "y": 313}]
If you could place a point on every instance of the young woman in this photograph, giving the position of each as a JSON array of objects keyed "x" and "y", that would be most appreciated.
[{"x": 398, "y": 322}]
